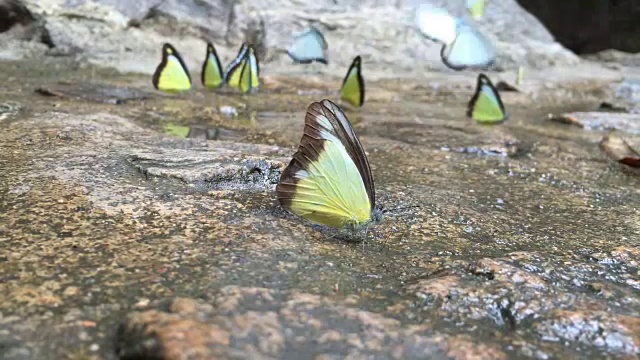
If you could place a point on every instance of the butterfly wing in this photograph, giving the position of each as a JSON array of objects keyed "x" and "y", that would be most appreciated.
[
  {"x": 255, "y": 69},
  {"x": 476, "y": 8},
  {"x": 172, "y": 74},
  {"x": 436, "y": 23},
  {"x": 177, "y": 130},
  {"x": 212, "y": 75},
  {"x": 308, "y": 47},
  {"x": 244, "y": 70},
  {"x": 469, "y": 49},
  {"x": 323, "y": 182},
  {"x": 234, "y": 75},
  {"x": 485, "y": 105},
  {"x": 352, "y": 90},
  {"x": 246, "y": 75},
  {"x": 520, "y": 76},
  {"x": 234, "y": 70}
]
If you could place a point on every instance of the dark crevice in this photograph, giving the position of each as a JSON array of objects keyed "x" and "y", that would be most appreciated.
[
  {"x": 481, "y": 272},
  {"x": 589, "y": 26},
  {"x": 12, "y": 13},
  {"x": 255, "y": 170},
  {"x": 508, "y": 317},
  {"x": 45, "y": 38}
]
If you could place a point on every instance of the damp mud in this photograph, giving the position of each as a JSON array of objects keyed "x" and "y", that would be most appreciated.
[{"x": 135, "y": 224}]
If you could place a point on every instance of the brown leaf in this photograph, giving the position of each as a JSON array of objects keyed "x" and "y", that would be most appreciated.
[
  {"x": 565, "y": 119},
  {"x": 618, "y": 149}
]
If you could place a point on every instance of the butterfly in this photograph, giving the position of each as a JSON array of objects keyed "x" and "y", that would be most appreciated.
[
  {"x": 212, "y": 76},
  {"x": 486, "y": 106},
  {"x": 172, "y": 74},
  {"x": 177, "y": 130},
  {"x": 463, "y": 46},
  {"x": 244, "y": 72},
  {"x": 520, "y": 76},
  {"x": 352, "y": 90},
  {"x": 308, "y": 46},
  {"x": 470, "y": 48},
  {"x": 436, "y": 23},
  {"x": 329, "y": 180},
  {"x": 476, "y": 8}
]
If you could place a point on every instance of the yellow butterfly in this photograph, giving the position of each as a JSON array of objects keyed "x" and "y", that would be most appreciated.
[
  {"x": 172, "y": 74},
  {"x": 329, "y": 180},
  {"x": 485, "y": 105},
  {"x": 352, "y": 90},
  {"x": 212, "y": 76},
  {"x": 476, "y": 8},
  {"x": 520, "y": 76},
  {"x": 244, "y": 72},
  {"x": 177, "y": 130}
]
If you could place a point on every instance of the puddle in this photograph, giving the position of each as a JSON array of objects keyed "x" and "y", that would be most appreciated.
[
  {"x": 108, "y": 94},
  {"x": 204, "y": 132}
]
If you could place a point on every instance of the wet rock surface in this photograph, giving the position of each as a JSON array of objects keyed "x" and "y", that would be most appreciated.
[
  {"x": 524, "y": 294},
  {"x": 93, "y": 92},
  {"x": 121, "y": 241},
  {"x": 596, "y": 120},
  {"x": 257, "y": 322}
]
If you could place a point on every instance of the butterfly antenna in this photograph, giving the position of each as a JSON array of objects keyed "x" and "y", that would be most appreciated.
[{"x": 366, "y": 232}]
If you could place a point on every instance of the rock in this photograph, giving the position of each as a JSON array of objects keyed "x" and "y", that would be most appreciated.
[
  {"x": 616, "y": 58},
  {"x": 262, "y": 323},
  {"x": 499, "y": 147},
  {"x": 602, "y": 329},
  {"x": 515, "y": 294},
  {"x": 624, "y": 94},
  {"x": 9, "y": 109},
  {"x": 479, "y": 140},
  {"x": 226, "y": 172},
  {"x": 114, "y": 33},
  {"x": 14, "y": 13},
  {"x": 618, "y": 150},
  {"x": 621, "y": 255},
  {"x": 94, "y": 92},
  {"x": 598, "y": 121},
  {"x": 628, "y": 92},
  {"x": 21, "y": 33},
  {"x": 159, "y": 335},
  {"x": 102, "y": 214},
  {"x": 121, "y": 146},
  {"x": 613, "y": 28}
]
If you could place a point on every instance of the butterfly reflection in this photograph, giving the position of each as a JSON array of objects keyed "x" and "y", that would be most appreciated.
[{"x": 201, "y": 132}]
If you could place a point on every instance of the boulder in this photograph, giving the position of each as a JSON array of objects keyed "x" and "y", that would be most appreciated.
[{"x": 128, "y": 37}]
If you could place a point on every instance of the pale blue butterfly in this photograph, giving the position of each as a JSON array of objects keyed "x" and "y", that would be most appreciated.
[{"x": 308, "y": 46}]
